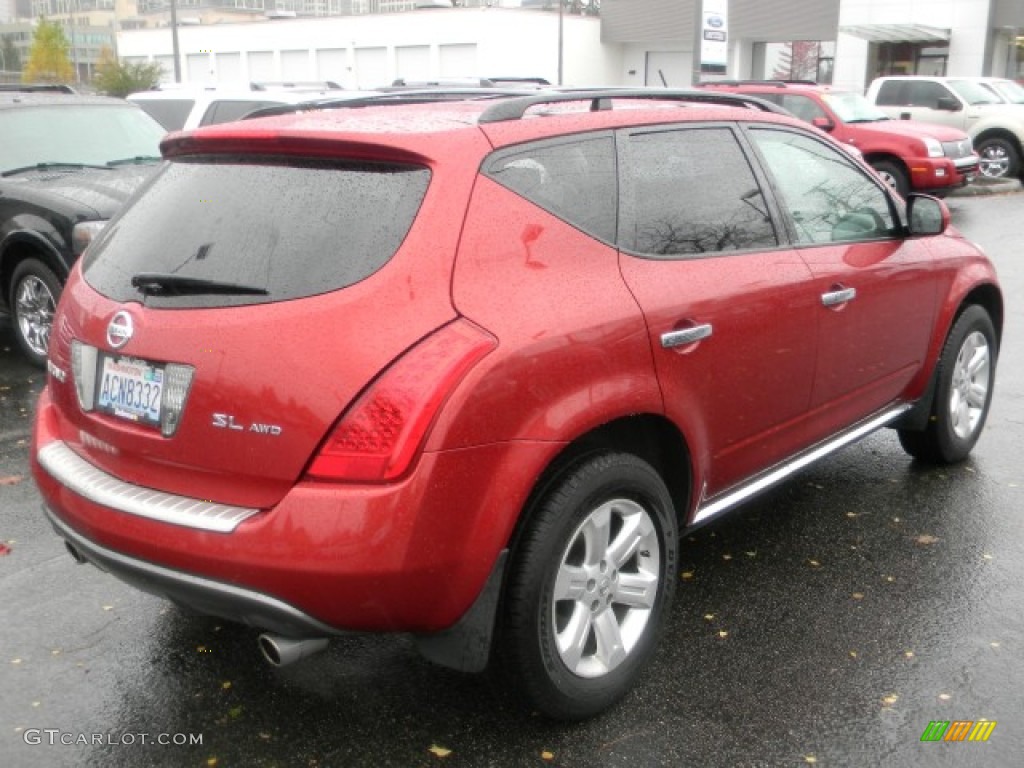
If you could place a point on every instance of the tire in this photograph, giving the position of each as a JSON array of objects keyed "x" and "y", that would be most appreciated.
[
  {"x": 589, "y": 587},
  {"x": 35, "y": 291},
  {"x": 998, "y": 159},
  {"x": 893, "y": 175},
  {"x": 963, "y": 393}
]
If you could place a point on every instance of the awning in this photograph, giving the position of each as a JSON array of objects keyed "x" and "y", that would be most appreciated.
[{"x": 897, "y": 33}]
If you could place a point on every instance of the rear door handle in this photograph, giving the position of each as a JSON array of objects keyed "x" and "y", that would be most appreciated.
[
  {"x": 685, "y": 336},
  {"x": 834, "y": 298}
]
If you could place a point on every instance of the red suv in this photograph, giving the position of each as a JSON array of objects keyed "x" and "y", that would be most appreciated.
[
  {"x": 910, "y": 156},
  {"x": 468, "y": 370}
]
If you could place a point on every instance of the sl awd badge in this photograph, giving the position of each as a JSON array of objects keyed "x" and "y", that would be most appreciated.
[{"x": 227, "y": 421}]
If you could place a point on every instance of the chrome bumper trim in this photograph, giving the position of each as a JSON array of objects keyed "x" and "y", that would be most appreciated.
[
  {"x": 81, "y": 477},
  {"x": 711, "y": 507}
]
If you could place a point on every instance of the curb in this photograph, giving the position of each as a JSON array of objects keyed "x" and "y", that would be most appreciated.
[{"x": 986, "y": 187}]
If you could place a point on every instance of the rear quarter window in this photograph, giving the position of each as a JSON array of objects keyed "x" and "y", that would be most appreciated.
[
  {"x": 574, "y": 180},
  {"x": 170, "y": 113},
  {"x": 291, "y": 228}
]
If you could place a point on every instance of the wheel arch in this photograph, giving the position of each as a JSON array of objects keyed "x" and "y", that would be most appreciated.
[
  {"x": 19, "y": 246},
  {"x": 986, "y": 296},
  {"x": 651, "y": 437},
  {"x": 997, "y": 132}
]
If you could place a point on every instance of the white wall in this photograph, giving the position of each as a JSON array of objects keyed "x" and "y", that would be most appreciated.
[
  {"x": 968, "y": 20},
  {"x": 369, "y": 51}
]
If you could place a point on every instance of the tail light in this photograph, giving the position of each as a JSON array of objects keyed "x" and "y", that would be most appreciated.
[{"x": 379, "y": 436}]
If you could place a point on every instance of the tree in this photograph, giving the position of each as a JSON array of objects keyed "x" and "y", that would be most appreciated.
[
  {"x": 798, "y": 61},
  {"x": 10, "y": 58},
  {"x": 116, "y": 78},
  {"x": 48, "y": 58}
]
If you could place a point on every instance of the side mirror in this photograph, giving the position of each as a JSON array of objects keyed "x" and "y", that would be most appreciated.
[
  {"x": 824, "y": 123},
  {"x": 947, "y": 104},
  {"x": 927, "y": 215}
]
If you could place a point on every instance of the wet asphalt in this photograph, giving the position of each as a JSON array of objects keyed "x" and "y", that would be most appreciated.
[{"x": 825, "y": 623}]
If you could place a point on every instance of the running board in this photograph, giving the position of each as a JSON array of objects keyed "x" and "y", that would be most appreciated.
[{"x": 713, "y": 507}]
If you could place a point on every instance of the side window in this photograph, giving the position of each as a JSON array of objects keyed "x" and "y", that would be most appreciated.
[
  {"x": 892, "y": 93},
  {"x": 827, "y": 197},
  {"x": 801, "y": 106},
  {"x": 691, "y": 191},
  {"x": 927, "y": 94},
  {"x": 573, "y": 180}
]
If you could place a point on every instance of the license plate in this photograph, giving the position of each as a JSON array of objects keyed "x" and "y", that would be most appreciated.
[{"x": 131, "y": 389}]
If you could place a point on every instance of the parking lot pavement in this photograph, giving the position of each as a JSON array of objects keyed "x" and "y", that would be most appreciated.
[{"x": 827, "y": 623}]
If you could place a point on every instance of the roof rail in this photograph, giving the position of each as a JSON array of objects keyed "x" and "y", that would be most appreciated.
[
  {"x": 776, "y": 83},
  {"x": 600, "y": 99},
  {"x": 425, "y": 96}
]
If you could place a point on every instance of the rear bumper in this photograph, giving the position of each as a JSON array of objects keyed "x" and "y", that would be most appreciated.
[
  {"x": 410, "y": 556},
  {"x": 204, "y": 595}
]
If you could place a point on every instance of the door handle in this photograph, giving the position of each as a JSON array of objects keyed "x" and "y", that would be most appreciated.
[
  {"x": 685, "y": 336},
  {"x": 835, "y": 298}
]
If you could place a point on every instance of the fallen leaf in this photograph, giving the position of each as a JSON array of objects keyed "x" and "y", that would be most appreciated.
[
  {"x": 709, "y": 617},
  {"x": 4, "y": 549},
  {"x": 727, "y": 557},
  {"x": 986, "y": 557},
  {"x": 545, "y": 755},
  {"x": 108, "y": 607},
  {"x": 891, "y": 699},
  {"x": 226, "y": 684},
  {"x": 264, "y": 736},
  {"x": 235, "y": 712},
  {"x": 11, "y": 480},
  {"x": 858, "y": 595},
  {"x": 439, "y": 751},
  {"x": 944, "y": 697},
  {"x": 994, "y": 644},
  {"x": 686, "y": 575},
  {"x": 722, "y": 633},
  {"x": 853, "y": 654},
  {"x": 211, "y": 761},
  {"x": 895, "y": 519},
  {"x": 926, "y": 539},
  {"x": 15, "y": 661},
  {"x": 813, "y": 563},
  {"x": 890, "y": 579},
  {"x": 909, "y": 654},
  {"x": 810, "y": 759},
  {"x": 751, "y": 554},
  {"x": 55, "y": 652},
  {"x": 851, "y": 514}
]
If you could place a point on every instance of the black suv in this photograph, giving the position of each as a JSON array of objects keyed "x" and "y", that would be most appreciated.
[{"x": 67, "y": 164}]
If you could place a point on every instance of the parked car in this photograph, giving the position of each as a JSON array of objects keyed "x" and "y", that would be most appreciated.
[
  {"x": 967, "y": 103},
  {"x": 67, "y": 164},
  {"x": 186, "y": 107},
  {"x": 469, "y": 369},
  {"x": 911, "y": 157}
]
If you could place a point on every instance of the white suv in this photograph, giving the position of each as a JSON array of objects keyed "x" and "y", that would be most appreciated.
[
  {"x": 186, "y": 107},
  {"x": 976, "y": 105}
]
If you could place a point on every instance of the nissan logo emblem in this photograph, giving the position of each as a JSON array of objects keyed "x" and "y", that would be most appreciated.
[{"x": 120, "y": 330}]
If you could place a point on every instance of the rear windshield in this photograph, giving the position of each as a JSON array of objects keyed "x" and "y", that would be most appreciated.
[{"x": 284, "y": 228}]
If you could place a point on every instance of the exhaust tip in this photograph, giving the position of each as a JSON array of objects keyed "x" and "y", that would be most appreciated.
[{"x": 281, "y": 651}]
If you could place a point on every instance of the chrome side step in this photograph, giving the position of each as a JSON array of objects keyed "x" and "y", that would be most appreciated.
[{"x": 710, "y": 508}]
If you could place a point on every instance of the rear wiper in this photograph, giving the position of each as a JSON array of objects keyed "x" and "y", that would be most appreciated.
[
  {"x": 161, "y": 284},
  {"x": 49, "y": 166},
  {"x": 137, "y": 160}
]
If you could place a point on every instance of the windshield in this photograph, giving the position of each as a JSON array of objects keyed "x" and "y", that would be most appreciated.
[
  {"x": 1007, "y": 90},
  {"x": 851, "y": 107},
  {"x": 79, "y": 134},
  {"x": 974, "y": 93}
]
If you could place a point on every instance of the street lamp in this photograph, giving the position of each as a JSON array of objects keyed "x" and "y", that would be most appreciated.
[{"x": 174, "y": 41}]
